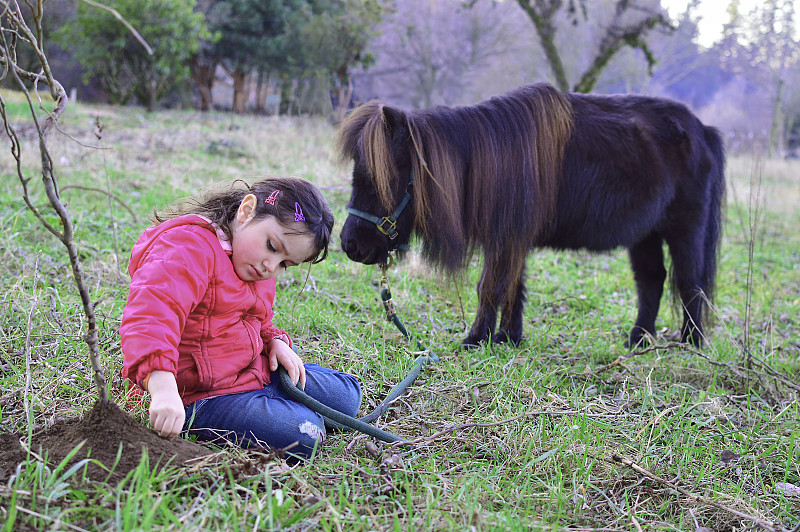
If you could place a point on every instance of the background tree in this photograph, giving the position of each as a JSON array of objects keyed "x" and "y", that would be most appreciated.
[
  {"x": 109, "y": 52},
  {"x": 430, "y": 52},
  {"x": 253, "y": 34},
  {"x": 203, "y": 64},
  {"x": 630, "y": 23},
  {"x": 335, "y": 38},
  {"x": 686, "y": 70},
  {"x": 763, "y": 49}
]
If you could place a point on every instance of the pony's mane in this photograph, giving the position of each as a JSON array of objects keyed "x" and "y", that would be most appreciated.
[
  {"x": 471, "y": 164},
  {"x": 365, "y": 131}
]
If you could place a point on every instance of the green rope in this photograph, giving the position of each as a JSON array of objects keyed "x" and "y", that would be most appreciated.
[
  {"x": 333, "y": 415},
  {"x": 338, "y": 420}
]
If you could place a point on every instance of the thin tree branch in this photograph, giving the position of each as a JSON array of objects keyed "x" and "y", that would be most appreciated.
[
  {"x": 28, "y": 411},
  {"x": 109, "y": 194},
  {"x": 119, "y": 17},
  {"x": 766, "y": 525},
  {"x": 740, "y": 371},
  {"x": 534, "y": 413}
]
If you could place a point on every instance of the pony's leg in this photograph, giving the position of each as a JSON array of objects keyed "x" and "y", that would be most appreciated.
[
  {"x": 647, "y": 263},
  {"x": 486, "y": 317},
  {"x": 511, "y": 316},
  {"x": 687, "y": 260}
]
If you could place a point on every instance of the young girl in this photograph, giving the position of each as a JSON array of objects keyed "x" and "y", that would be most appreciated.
[{"x": 197, "y": 330}]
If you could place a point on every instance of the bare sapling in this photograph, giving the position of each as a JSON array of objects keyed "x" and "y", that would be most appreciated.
[
  {"x": 753, "y": 204},
  {"x": 15, "y": 32}
]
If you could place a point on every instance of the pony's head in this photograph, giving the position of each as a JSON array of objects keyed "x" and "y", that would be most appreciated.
[{"x": 381, "y": 210}]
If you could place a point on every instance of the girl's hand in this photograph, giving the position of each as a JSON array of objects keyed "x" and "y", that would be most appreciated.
[
  {"x": 166, "y": 408},
  {"x": 280, "y": 353}
]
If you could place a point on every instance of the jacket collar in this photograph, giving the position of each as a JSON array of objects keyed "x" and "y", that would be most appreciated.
[{"x": 223, "y": 239}]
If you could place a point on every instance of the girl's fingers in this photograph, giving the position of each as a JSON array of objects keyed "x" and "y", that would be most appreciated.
[
  {"x": 159, "y": 425},
  {"x": 167, "y": 425},
  {"x": 177, "y": 425},
  {"x": 170, "y": 427},
  {"x": 154, "y": 421},
  {"x": 292, "y": 363}
]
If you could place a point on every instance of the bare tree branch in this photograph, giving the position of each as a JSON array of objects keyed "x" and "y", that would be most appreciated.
[
  {"x": 617, "y": 35},
  {"x": 124, "y": 22},
  {"x": 766, "y": 525},
  {"x": 13, "y": 26},
  {"x": 542, "y": 14}
]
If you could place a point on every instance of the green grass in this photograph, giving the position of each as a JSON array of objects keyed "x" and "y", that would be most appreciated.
[{"x": 525, "y": 435}]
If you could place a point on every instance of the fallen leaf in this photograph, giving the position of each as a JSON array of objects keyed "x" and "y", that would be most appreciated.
[
  {"x": 789, "y": 490},
  {"x": 372, "y": 449},
  {"x": 728, "y": 456},
  {"x": 308, "y": 500}
]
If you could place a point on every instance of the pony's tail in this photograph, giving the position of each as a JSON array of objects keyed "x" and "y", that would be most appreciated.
[{"x": 716, "y": 206}]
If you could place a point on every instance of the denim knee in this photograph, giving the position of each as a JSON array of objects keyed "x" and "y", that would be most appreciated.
[
  {"x": 334, "y": 389},
  {"x": 256, "y": 420},
  {"x": 352, "y": 402},
  {"x": 310, "y": 433}
]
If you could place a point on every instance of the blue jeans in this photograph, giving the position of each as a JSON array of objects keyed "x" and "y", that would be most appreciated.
[{"x": 270, "y": 417}]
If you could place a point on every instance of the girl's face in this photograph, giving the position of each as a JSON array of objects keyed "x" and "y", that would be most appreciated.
[{"x": 263, "y": 249}]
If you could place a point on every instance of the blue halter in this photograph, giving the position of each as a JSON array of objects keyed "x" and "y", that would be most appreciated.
[{"x": 388, "y": 224}]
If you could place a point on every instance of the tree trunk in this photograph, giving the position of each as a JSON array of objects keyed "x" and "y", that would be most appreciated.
[
  {"x": 777, "y": 120},
  {"x": 545, "y": 28},
  {"x": 286, "y": 96},
  {"x": 262, "y": 91},
  {"x": 344, "y": 94},
  {"x": 203, "y": 76},
  {"x": 152, "y": 96},
  {"x": 241, "y": 94},
  {"x": 617, "y": 35}
]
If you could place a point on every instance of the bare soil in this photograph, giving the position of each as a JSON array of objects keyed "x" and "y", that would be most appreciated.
[{"x": 103, "y": 429}]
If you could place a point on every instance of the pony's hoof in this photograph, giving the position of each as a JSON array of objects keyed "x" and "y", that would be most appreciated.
[
  {"x": 503, "y": 337},
  {"x": 693, "y": 338},
  {"x": 638, "y": 338},
  {"x": 470, "y": 343}
]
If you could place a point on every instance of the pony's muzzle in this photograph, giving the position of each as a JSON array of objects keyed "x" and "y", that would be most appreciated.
[{"x": 363, "y": 245}]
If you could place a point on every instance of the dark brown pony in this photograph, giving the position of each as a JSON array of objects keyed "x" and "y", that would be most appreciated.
[{"x": 537, "y": 167}]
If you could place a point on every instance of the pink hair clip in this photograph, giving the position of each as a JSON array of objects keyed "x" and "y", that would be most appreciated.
[
  {"x": 298, "y": 213},
  {"x": 272, "y": 197}
]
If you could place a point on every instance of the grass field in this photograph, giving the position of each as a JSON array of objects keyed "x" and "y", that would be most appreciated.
[{"x": 505, "y": 438}]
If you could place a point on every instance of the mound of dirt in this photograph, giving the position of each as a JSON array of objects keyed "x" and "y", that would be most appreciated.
[{"x": 104, "y": 429}]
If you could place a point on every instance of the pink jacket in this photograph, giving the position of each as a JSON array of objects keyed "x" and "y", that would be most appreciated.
[{"x": 190, "y": 314}]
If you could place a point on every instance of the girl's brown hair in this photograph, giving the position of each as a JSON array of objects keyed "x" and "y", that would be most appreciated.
[{"x": 291, "y": 201}]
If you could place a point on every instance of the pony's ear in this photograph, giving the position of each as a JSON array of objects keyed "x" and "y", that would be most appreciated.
[{"x": 393, "y": 118}]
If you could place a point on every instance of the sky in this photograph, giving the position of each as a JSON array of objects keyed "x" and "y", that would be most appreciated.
[{"x": 713, "y": 13}]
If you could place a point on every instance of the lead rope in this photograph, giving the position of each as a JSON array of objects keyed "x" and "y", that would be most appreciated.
[{"x": 338, "y": 420}]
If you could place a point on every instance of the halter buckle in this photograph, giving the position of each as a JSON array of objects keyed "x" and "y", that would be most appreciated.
[{"x": 392, "y": 231}]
